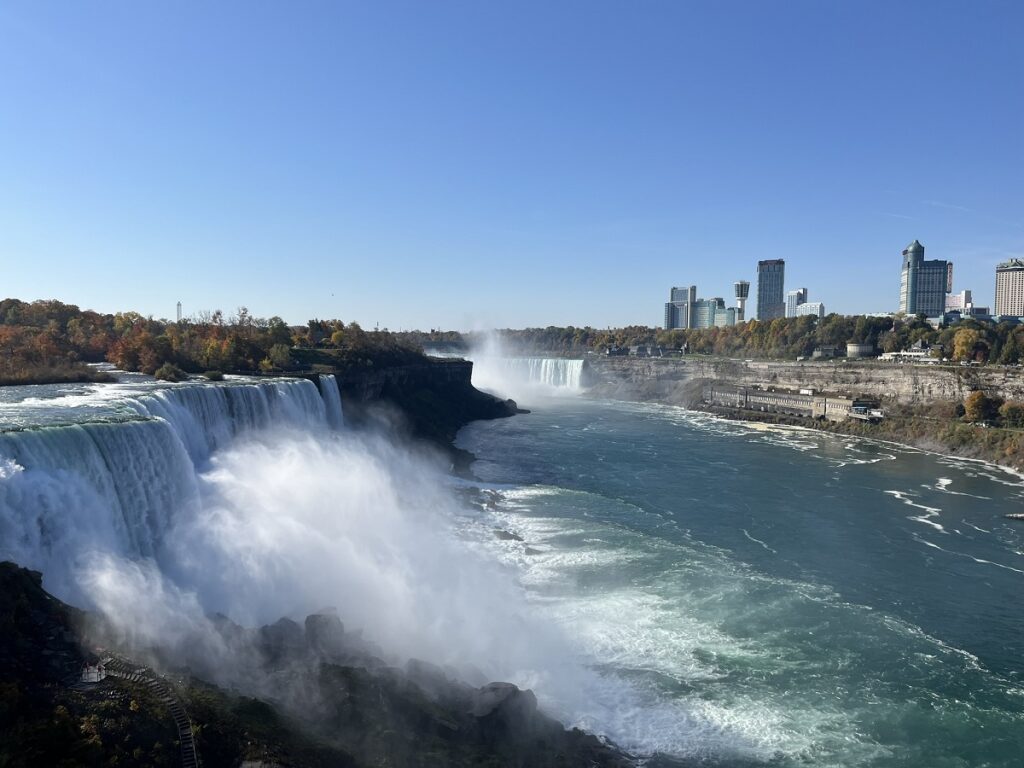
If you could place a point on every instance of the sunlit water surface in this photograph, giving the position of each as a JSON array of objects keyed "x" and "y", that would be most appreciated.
[{"x": 778, "y": 597}]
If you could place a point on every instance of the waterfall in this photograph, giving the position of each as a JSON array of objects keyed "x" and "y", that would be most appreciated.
[
  {"x": 118, "y": 484},
  {"x": 513, "y": 374},
  {"x": 332, "y": 400},
  {"x": 551, "y": 372},
  {"x": 205, "y": 417}
]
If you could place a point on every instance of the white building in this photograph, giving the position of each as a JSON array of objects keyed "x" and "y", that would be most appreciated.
[
  {"x": 959, "y": 301},
  {"x": 93, "y": 673},
  {"x": 815, "y": 308},
  {"x": 1010, "y": 288},
  {"x": 794, "y": 299}
]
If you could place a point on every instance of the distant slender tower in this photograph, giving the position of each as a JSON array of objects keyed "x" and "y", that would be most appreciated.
[
  {"x": 742, "y": 292},
  {"x": 179, "y": 311}
]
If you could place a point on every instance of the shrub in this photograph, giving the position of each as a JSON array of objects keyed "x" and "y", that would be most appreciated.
[
  {"x": 1012, "y": 414},
  {"x": 170, "y": 372}
]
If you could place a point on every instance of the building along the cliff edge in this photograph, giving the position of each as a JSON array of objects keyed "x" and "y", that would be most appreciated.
[{"x": 922, "y": 405}]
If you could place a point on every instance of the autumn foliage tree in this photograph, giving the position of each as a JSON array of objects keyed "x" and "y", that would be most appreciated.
[{"x": 980, "y": 408}]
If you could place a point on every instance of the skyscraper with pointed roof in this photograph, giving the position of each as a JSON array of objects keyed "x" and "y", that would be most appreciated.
[{"x": 924, "y": 284}]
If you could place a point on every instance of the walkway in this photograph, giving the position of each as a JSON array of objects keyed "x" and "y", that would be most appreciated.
[{"x": 118, "y": 668}]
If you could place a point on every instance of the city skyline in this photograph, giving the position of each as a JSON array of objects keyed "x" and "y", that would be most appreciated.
[
  {"x": 925, "y": 286},
  {"x": 499, "y": 166}
]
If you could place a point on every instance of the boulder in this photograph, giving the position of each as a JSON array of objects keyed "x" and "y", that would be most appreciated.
[
  {"x": 506, "y": 701},
  {"x": 325, "y": 634},
  {"x": 282, "y": 640}
]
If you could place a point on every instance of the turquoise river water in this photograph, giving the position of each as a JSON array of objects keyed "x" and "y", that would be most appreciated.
[{"x": 777, "y": 596}]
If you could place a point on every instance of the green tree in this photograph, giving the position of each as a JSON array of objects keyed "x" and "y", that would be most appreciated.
[
  {"x": 1010, "y": 353},
  {"x": 170, "y": 372},
  {"x": 280, "y": 356},
  {"x": 1012, "y": 414}
]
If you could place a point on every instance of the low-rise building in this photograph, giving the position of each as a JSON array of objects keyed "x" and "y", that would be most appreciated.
[
  {"x": 815, "y": 308},
  {"x": 856, "y": 350},
  {"x": 918, "y": 352},
  {"x": 812, "y": 405}
]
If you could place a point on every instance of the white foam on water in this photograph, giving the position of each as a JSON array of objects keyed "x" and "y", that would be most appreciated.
[
  {"x": 929, "y": 512},
  {"x": 943, "y": 486},
  {"x": 979, "y": 560},
  {"x": 975, "y": 527},
  {"x": 758, "y": 541},
  {"x": 628, "y": 630}
]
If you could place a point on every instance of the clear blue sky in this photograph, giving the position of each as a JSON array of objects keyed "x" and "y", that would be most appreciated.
[{"x": 477, "y": 164}]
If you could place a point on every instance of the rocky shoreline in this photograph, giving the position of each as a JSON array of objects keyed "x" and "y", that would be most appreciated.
[
  {"x": 315, "y": 695},
  {"x": 920, "y": 402}
]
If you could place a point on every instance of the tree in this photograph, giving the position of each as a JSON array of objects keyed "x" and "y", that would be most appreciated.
[
  {"x": 979, "y": 407},
  {"x": 278, "y": 331},
  {"x": 1010, "y": 354},
  {"x": 964, "y": 342},
  {"x": 170, "y": 372},
  {"x": 1012, "y": 414},
  {"x": 280, "y": 356}
]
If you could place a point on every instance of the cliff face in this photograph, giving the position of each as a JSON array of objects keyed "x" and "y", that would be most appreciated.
[
  {"x": 433, "y": 400},
  {"x": 679, "y": 381},
  {"x": 330, "y": 702}
]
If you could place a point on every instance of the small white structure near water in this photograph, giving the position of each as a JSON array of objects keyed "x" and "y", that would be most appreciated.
[{"x": 93, "y": 673}]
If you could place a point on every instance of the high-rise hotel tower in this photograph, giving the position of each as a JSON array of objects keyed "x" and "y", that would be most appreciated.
[
  {"x": 924, "y": 284},
  {"x": 1010, "y": 288},
  {"x": 771, "y": 299}
]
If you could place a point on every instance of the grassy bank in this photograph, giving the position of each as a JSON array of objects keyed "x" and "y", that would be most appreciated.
[{"x": 74, "y": 373}]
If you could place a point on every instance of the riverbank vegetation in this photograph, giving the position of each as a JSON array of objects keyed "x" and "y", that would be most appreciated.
[
  {"x": 970, "y": 340},
  {"x": 53, "y": 342}
]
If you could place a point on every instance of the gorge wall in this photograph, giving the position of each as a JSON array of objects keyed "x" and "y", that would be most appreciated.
[
  {"x": 434, "y": 399},
  {"x": 679, "y": 381}
]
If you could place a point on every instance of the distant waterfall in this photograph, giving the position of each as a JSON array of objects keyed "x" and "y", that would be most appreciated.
[
  {"x": 510, "y": 374},
  {"x": 332, "y": 400},
  {"x": 551, "y": 372},
  {"x": 118, "y": 484}
]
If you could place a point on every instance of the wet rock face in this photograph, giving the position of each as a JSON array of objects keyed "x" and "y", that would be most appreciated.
[
  {"x": 325, "y": 634},
  {"x": 326, "y": 698},
  {"x": 37, "y": 634},
  {"x": 282, "y": 639},
  {"x": 506, "y": 700}
]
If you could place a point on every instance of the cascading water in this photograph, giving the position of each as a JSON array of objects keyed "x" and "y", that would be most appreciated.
[
  {"x": 332, "y": 400},
  {"x": 551, "y": 372},
  {"x": 524, "y": 376},
  {"x": 167, "y": 504},
  {"x": 117, "y": 482}
]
